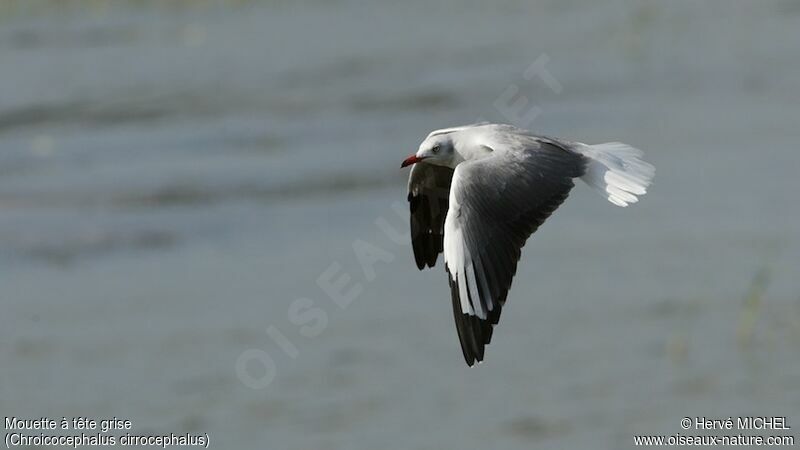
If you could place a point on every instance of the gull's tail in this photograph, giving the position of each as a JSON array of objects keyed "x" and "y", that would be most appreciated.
[{"x": 617, "y": 171}]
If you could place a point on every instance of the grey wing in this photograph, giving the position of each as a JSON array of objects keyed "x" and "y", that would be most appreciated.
[
  {"x": 497, "y": 203},
  {"x": 428, "y": 192}
]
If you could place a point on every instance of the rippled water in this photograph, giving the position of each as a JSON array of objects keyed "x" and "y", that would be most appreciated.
[{"x": 173, "y": 179}]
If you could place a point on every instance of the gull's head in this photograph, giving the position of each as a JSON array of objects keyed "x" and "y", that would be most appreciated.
[{"x": 436, "y": 149}]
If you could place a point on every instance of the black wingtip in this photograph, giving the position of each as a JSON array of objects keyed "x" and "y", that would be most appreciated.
[{"x": 474, "y": 333}]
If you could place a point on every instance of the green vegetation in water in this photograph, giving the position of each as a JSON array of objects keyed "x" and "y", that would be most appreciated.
[{"x": 752, "y": 306}]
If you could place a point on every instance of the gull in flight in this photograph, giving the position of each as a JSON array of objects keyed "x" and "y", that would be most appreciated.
[{"x": 476, "y": 194}]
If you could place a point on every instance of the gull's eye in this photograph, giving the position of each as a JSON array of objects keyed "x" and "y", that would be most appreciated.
[{"x": 435, "y": 149}]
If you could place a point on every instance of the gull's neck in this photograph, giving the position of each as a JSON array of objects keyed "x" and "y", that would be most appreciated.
[{"x": 468, "y": 147}]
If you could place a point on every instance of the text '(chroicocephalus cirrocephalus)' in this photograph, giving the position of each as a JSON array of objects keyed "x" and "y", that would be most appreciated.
[{"x": 479, "y": 191}]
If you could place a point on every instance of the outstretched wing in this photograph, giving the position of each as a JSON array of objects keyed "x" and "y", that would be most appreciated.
[
  {"x": 496, "y": 203},
  {"x": 428, "y": 192}
]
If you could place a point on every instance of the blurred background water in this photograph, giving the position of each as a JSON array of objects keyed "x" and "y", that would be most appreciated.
[{"x": 174, "y": 175}]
